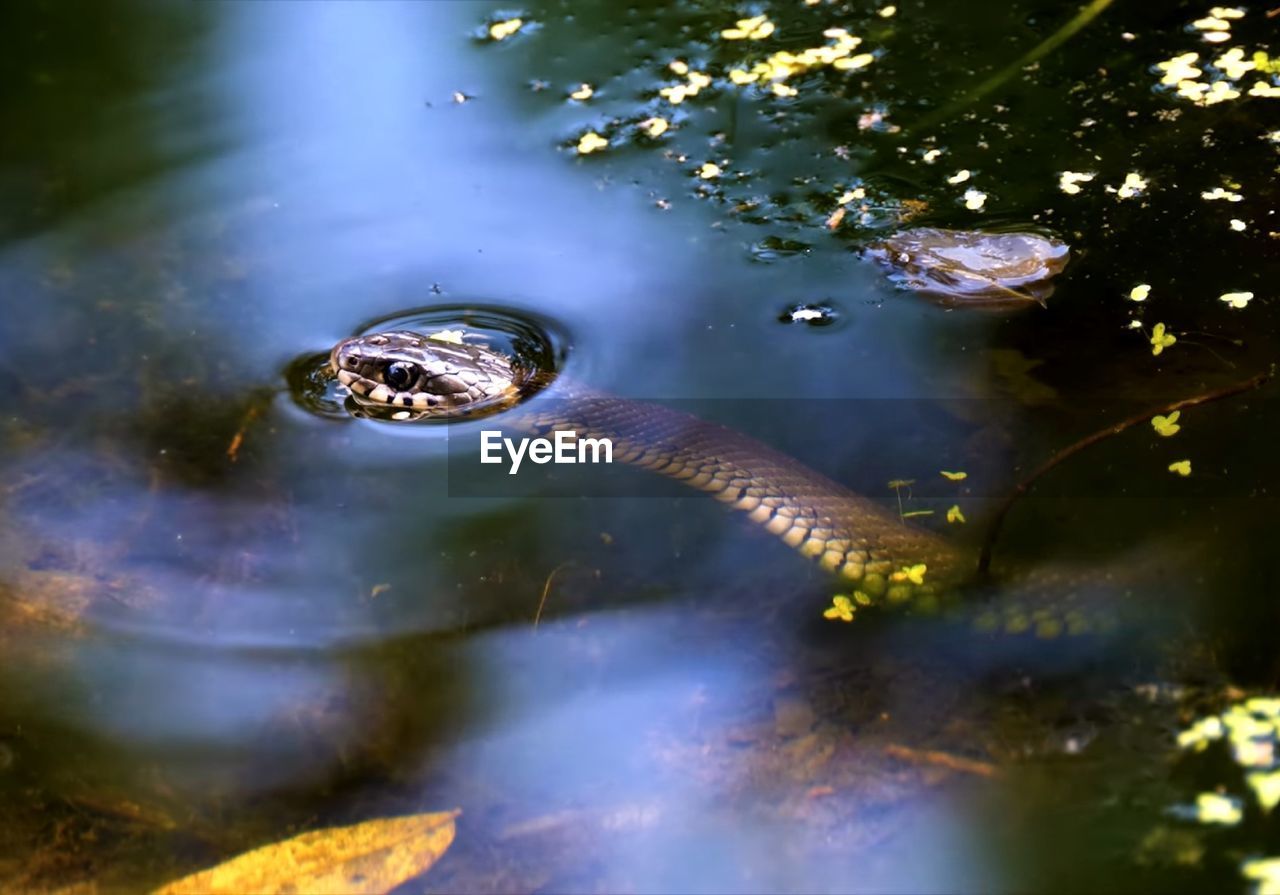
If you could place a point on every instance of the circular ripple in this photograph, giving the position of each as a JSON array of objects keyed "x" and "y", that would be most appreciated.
[{"x": 539, "y": 348}]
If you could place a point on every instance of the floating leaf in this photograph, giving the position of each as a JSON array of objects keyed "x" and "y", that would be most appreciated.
[
  {"x": 1182, "y": 467},
  {"x": 1266, "y": 788},
  {"x": 954, "y": 514},
  {"x": 841, "y": 608},
  {"x": 591, "y": 142},
  {"x": 503, "y": 30},
  {"x": 1166, "y": 425},
  {"x": 1160, "y": 340},
  {"x": 1201, "y": 733},
  {"x": 1069, "y": 181},
  {"x": 974, "y": 199},
  {"x": 914, "y": 574},
  {"x": 1212, "y": 808},
  {"x": 655, "y": 127},
  {"x": 1134, "y": 185},
  {"x": 954, "y": 476},
  {"x": 754, "y": 28},
  {"x": 1236, "y": 299},
  {"x": 1219, "y": 193},
  {"x": 583, "y": 93},
  {"x": 1140, "y": 292},
  {"x": 452, "y": 336},
  {"x": 1265, "y": 871},
  {"x": 374, "y": 856}
]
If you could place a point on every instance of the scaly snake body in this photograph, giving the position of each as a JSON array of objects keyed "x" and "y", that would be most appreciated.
[{"x": 849, "y": 535}]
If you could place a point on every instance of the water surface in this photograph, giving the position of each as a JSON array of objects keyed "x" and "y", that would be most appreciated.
[{"x": 226, "y": 617}]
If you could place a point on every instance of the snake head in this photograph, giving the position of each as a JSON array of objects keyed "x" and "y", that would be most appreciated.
[{"x": 424, "y": 374}]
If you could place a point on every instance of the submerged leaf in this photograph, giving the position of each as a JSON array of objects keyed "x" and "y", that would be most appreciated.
[{"x": 374, "y": 856}]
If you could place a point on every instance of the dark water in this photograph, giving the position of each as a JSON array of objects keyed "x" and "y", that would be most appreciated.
[{"x": 226, "y": 618}]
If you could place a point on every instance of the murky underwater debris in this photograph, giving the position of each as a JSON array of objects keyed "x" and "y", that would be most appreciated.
[
  {"x": 370, "y": 857},
  {"x": 964, "y": 267}
]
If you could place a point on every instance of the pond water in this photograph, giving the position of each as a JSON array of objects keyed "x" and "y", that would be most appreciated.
[{"x": 231, "y": 611}]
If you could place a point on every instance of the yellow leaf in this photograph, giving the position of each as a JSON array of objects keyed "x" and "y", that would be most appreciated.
[
  {"x": 1212, "y": 808},
  {"x": 954, "y": 476},
  {"x": 1139, "y": 292},
  {"x": 452, "y": 336},
  {"x": 1069, "y": 181},
  {"x": 583, "y": 93},
  {"x": 841, "y": 608},
  {"x": 503, "y": 30},
  {"x": 709, "y": 171},
  {"x": 655, "y": 127},
  {"x": 374, "y": 856},
  {"x": 1182, "y": 467},
  {"x": 914, "y": 574},
  {"x": 1236, "y": 299},
  {"x": 1265, "y": 870},
  {"x": 1160, "y": 340},
  {"x": 591, "y": 142},
  {"x": 954, "y": 514},
  {"x": 1266, "y": 787},
  {"x": 1166, "y": 425},
  {"x": 862, "y": 60}
]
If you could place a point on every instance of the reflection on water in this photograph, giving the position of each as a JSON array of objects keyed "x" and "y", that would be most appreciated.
[{"x": 224, "y": 616}]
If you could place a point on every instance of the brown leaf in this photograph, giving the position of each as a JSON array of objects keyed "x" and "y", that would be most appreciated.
[{"x": 371, "y": 857}]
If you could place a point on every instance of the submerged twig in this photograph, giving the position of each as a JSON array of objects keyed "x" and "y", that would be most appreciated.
[
  {"x": 993, "y": 530},
  {"x": 258, "y": 404},
  {"x": 546, "y": 589},
  {"x": 942, "y": 760}
]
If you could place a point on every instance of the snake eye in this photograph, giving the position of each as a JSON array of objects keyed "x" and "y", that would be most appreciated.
[{"x": 400, "y": 375}]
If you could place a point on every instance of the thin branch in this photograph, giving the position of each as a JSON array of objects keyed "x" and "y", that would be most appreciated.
[
  {"x": 993, "y": 530},
  {"x": 1044, "y": 48},
  {"x": 546, "y": 589}
]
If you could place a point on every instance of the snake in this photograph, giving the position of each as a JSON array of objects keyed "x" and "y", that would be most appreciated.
[{"x": 411, "y": 375}]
